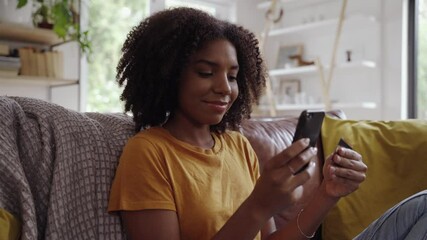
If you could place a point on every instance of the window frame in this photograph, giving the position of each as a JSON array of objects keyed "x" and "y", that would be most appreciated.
[{"x": 412, "y": 58}]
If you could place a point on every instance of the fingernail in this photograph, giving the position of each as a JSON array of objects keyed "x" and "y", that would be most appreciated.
[
  {"x": 306, "y": 140},
  {"x": 314, "y": 149},
  {"x": 292, "y": 170},
  {"x": 336, "y": 159}
]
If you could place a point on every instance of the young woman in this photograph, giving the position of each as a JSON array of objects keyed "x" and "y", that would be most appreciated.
[{"x": 189, "y": 79}]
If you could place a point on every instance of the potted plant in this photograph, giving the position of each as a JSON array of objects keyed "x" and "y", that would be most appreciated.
[{"x": 62, "y": 17}]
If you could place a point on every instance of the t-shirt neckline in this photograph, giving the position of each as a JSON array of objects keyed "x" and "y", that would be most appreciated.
[{"x": 214, "y": 150}]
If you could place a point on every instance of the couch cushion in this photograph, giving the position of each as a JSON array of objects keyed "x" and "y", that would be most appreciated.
[
  {"x": 394, "y": 152},
  {"x": 9, "y": 225}
]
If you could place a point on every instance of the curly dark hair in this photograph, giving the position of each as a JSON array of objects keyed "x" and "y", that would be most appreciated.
[{"x": 158, "y": 49}]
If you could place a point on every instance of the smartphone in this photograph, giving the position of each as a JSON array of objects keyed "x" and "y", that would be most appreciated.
[
  {"x": 309, "y": 126},
  {"x": 342, "y": 143}
]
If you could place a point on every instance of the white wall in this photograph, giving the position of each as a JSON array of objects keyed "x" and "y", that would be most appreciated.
[{"x": 249, "y": 16}]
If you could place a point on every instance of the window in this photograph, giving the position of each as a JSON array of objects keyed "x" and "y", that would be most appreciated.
[
  {"x": 109, "y": 24},
  {"x": 417, "y": 59},
  {"x": 198, "y": 5},
  {"x": 422, "y": 61}
]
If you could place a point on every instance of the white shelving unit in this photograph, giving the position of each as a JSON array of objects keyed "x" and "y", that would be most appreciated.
[
  {"x": 16, "y": 35},
  {"x": 22, "y": 33},
  {"x": 360, "y": 74},
  {"x": 35, "y": 80}
]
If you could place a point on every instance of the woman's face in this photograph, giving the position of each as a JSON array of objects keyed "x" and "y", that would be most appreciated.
[{"x": 208, "y": 85}]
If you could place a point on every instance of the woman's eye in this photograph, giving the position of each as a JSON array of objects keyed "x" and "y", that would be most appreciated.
[
  {"x": 205, "y": 74},
  {"x": 232, "y": 78}
]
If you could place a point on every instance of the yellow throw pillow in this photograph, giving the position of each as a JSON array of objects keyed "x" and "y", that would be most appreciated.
[
  {"x": 10, "y": 227},
  {"x": 396, "y": 155}
]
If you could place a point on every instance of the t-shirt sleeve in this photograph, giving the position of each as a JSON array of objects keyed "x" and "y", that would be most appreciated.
[{"x": 141, "y": 180}]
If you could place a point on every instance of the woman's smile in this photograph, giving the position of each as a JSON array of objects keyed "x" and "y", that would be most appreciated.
[{"x": 218, "y": 106}]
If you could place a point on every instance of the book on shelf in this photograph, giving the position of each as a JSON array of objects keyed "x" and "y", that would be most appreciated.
[
  {"x": 58, "y": 64},
  {"x": 49, "y": 59},
  {"x": 10, "y": 62},
  {"x": 4, "y": 49},
  {"x": 33, "y": 63},
  {"x": 54, "y": 64},
  {"x": 24, "y": 55},
  {"x": 41, "y": 63},
  {"x": 9, "y": 66}
]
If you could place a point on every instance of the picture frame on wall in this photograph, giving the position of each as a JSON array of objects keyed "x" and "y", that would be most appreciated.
[{"x": 284, "y": 52}]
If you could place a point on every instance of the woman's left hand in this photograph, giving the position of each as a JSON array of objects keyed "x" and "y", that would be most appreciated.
[{"x": 343, "y": 172}]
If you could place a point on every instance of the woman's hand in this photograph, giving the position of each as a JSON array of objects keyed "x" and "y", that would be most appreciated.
[
  {"x": 279, "y": 185},
  {"x": 343, "y": 172}
]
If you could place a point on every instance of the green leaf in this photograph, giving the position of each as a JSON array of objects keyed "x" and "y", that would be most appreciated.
[
  {"x": 60, "y": 14},
  {"x": 62, "y": 18},
  {"x": 21, "y": 3}
]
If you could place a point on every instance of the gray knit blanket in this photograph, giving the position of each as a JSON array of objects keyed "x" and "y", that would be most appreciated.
[{"x": 56, "y": 168}]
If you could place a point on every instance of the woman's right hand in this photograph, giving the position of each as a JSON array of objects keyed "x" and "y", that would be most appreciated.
[{"x": 279, "y": 185}]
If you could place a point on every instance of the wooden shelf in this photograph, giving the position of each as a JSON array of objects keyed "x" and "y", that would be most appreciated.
[
  {"x": 293, "y": 107},
  {"x": 20, "y": 33},
  {"x": 266, "y": 4},
  {"x": 313, "y": 69},
  {"x": 360, "y": 19},
  {"x": 35, "y": 80}
]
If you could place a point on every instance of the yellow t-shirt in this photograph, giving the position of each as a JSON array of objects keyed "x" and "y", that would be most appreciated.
[{"x": 204, "y": 187}]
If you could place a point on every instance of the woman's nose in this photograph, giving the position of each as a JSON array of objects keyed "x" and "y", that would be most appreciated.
[{"x": 222, "y": 84}]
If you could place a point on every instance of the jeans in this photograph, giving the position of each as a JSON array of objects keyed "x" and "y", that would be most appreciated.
[{"x": 406, "y": 220}]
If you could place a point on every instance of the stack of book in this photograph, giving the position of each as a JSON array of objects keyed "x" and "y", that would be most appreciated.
[
  {"x": 9, "y": 66},
  {"x": 41, "y": 63}
]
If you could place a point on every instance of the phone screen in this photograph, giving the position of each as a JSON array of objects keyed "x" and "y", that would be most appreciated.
[{"x": 309, "y": 126}]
